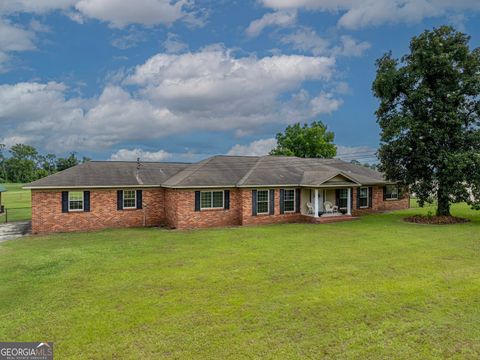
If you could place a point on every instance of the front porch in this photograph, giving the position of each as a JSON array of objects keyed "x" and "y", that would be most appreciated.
[
  {"x": 330, "y": 199},
  {"x": 327, "y": 203}
]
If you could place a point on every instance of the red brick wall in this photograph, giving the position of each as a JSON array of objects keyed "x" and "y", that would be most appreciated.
[
  {"x": 378, "y": 204},
  {"x": 181, "y": 214},
  {"x": 175, "y": 208},
  {"x": 47, "y": 213},
  {"x": 249, "y": 219}
]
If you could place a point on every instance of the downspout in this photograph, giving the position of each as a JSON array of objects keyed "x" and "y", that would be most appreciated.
[{"x": 140, "y": 182}]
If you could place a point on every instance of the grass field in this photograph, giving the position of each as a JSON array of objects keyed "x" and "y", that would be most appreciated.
[
  {"x": 377, "y": 288},
  {"x": 18, "y": 202}
]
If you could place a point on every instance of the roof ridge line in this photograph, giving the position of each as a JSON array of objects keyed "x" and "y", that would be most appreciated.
[
  {"x": 198, "y": 164},
  {"x": 249, "y": 172}
]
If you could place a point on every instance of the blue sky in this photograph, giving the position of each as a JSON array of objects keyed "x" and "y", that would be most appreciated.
[{"x": 182, "y": 80}]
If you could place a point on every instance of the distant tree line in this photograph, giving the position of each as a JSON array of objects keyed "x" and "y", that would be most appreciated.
[{"x": 23, "y": 163}]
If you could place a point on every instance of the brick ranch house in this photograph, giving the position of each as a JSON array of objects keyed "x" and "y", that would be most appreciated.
[{"x": 218, "y": 191}]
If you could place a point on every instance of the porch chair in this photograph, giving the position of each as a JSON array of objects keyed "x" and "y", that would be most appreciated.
[
  {"x": 329, "y": 208},
  {"x": 310, "y": 209}
]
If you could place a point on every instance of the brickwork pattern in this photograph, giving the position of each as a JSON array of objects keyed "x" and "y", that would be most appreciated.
[
  {"x": 47, "y": 213},
  {"x": 172, "y": 207}
]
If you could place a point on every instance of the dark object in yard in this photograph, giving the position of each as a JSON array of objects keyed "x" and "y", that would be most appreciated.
[{"x": 436, "y": 220}]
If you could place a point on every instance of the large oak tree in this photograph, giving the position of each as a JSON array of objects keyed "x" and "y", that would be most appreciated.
[{"x": 429, "y": 116}]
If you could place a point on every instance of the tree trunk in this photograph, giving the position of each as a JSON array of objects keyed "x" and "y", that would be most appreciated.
[{"x": 443, "y": 207}]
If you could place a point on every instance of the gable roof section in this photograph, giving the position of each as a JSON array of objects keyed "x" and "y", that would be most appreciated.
[
  {"x": 110, "y": 174},
  {"x": 217, "y": 171},
  {"x": 327, "y": 178}
]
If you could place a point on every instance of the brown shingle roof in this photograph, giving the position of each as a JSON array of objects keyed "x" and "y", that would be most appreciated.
[
  {"x": 110, "y": 173},
  {"x": 217, "y": 171}
]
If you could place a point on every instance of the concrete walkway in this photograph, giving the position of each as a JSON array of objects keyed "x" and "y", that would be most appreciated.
[{"x": 14, "y": 230}]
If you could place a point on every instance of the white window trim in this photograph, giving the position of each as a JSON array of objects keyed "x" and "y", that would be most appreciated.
[
  {"x": 368, "y": 197},
  {"x": 294, "y": 202},
  {"x": 268, "y": 202},
  {"x": 83, "y": 202},
  {"x": 211, "y": 200},
  {"x": 391, "y": 198},
  {"x": 123, "y": 200}
]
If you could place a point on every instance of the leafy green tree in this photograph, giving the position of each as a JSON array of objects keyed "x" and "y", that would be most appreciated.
[
  {"x": 47, "y": 165},
  {"x": 307, "y": 141},
  {"x": 429, "y": 115},
  {"x": 21, "y": 166},
  {"x": 68, "y": 162},
  {"x": 3, "y": 174}
]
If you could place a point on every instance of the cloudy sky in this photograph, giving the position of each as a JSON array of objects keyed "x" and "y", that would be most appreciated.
[{"x": 179, "y": 80}]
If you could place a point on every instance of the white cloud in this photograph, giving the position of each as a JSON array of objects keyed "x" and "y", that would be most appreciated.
[
  {"x": 350, "y": 47},
  {"x": 210, "y": 90},
  {"x": 13, "y": 39},
  {"x": 131, "y": 39},
  {"x": 255, "y": 148},
  {"x": 121, "y": 13},
  {"x": 34, "y": 6},
  {"x": 324, "y": 104},
  {"x": 173, "y": 45},
  {"x": 134, "y": 154},
  {"x": 278, "y": 18},
  {"x": 308, "y": 41},
  {"x": 118, "y": 13},
  {"x": 357, "y": 14}
]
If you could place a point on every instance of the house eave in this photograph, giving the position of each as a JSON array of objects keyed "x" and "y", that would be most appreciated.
[{"x": 60, "y": 187}]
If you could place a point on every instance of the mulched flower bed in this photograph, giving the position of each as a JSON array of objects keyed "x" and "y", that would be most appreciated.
[{"x": 436, "y": 220}]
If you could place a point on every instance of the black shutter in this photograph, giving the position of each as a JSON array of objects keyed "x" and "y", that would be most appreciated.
[
  {"x": 272, "y": 201},
  {"x": 197, "y": 200},
  {"x": 86, "y": 201},
  {"x": 384, "y": 193},
  {"x": 64, "y": 201},
  {"x": 139, "y": 199},
  {"x": 119, "y": 199},
  {"x": 297, "y": 200},
  {"x": 254, "y": 202},
  {"x": 351, "y": 197},
  {"x": 358, "y": 198},
  {"x": 370, "y": 196},
  {"x": 282, "y": 200},
  {"x": 226, "y": 194},
  {"x": 337, "y": 197}
]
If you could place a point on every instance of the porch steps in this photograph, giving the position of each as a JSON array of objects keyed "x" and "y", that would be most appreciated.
[{"x": 332, "y": 219}]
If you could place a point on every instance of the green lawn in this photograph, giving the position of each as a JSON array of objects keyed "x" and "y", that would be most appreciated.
[
  {"x": 377, "y": 288},
  {"x": 18, "y": 202}
]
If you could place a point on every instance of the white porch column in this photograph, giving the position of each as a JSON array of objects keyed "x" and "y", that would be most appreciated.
[
  {"x": 349, "y": 201},
  {"x": 316, "y": 203}
]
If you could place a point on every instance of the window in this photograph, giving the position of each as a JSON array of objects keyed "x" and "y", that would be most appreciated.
[
  {"x": 129, "y": 199},
  {"x": 262, "y": 202},
  {"x": 75, "y": 201},
  {"x": 342, "y": 198},
  {"x": 363, "y": 197},
  {"x": 391, "y": 192},
  {"x": 289, "y": 200},
  {"x": 211, "y": 200}
]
